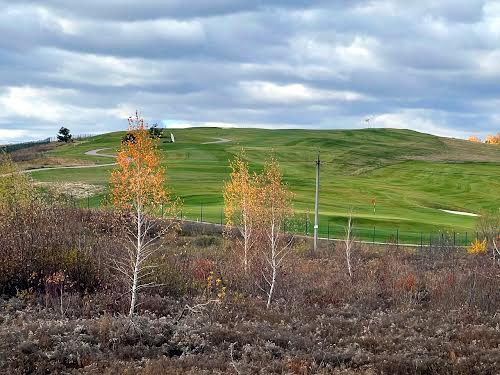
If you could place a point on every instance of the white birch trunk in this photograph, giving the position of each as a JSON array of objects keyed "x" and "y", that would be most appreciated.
[
  {"x": 138, "y": 250},
  {"x": 246, "y": 240},
  {"x": 273, "y": 263},
  {"x": 348, "y": 245}
]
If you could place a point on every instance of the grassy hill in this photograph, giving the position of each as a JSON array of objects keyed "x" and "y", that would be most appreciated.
[{"x": 411, "y": 175}]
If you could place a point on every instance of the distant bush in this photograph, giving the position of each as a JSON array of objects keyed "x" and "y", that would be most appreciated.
[{"x": 155, "y": 132}]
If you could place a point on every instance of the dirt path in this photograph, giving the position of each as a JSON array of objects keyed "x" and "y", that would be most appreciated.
[
  {"x": 219, "y": 140},
  {"x": 97, "y": 153},
  {"x": 90, "y": 153},
  {"x": 67, "y": 167}
]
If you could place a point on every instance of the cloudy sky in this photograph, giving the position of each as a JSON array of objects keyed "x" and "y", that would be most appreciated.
[{"x": 432, "y": 66}]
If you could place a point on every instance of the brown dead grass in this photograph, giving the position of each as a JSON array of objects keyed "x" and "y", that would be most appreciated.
[
  {"x": 37, "y": 157},
  {"x": 77, "y": 190}
]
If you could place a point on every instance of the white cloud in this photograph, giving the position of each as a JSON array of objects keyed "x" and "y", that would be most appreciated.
[
  {"x": 35, "y": 103},
  {"x": 9, "y": 135},
  {"x": 164, "y": 28},
  {"x": 273, "y": 93},
  {"x": 489, "y": 62},
  {"x": 418, "y": 120},
  {"x": 106, "y": 70},
  {"x": 318, "y": 65},
  {"x": 51, "y": 107},
  {"x": 359, "y": 52}
]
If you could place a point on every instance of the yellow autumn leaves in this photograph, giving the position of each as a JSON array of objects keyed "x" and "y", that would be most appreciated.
[
  {"x": 254, "y": 202},
  {"x": 250, "y": 197},
  {"x": 139, "y": 179},
  {"x": 477, "y": 247}
]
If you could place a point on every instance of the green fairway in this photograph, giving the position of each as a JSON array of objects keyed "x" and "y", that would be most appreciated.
[{"x": 410, "y": 175}]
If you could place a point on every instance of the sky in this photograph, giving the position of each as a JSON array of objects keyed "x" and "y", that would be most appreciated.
[{"x": 430, "y": 66}]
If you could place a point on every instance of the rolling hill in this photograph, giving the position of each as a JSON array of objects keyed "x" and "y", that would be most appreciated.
[{"x": 412, "y": 176}]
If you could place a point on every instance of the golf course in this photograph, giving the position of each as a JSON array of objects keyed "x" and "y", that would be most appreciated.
[{"x": 397, "y": 183}]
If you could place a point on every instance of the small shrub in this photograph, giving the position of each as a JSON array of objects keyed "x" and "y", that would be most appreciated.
[
  {"x": 477, "y": 247},
  {"x": 207, "y": 241}
]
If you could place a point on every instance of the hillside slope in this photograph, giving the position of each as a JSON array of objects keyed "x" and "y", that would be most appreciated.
[{"x": 410, "y": 175}]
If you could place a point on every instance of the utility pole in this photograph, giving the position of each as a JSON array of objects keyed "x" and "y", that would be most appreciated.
[{"x": 316, "y": 204}]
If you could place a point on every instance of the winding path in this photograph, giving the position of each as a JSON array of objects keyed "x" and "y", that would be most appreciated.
[
  {"x": 97, "y": 153},
  {"x": 90, "y": 153},
  {"x": 218, "y": 140}
]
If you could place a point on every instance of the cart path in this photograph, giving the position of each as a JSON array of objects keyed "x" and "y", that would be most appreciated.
[
  {"x": 218, "y": 140},
  {"x": 97, "y": 151},
  {"x": 90, "y": 153}
]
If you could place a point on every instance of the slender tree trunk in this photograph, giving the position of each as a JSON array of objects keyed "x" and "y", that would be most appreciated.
[
  {"x": 271, "y": 290},
  {"x": 61, "y": 301},
  {"x": 133, "y": 291},
  {"x": 348, "y": 245},
  {"x": 349, "y": 269},
  {"x": 273, "y": 266},
  {"x": 245, "y": 244}
]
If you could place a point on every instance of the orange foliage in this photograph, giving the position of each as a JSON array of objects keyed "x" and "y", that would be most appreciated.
[
  {"x": 275, "y": 198},
  {"x": 241, "y": 204},
  {"x": 493, "y": 139},
  {"x": 139, "y": 179},
  {"x": 240, "y": 193}
]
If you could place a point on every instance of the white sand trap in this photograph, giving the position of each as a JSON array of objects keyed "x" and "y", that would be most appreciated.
[{"x": 459, "y": 213}]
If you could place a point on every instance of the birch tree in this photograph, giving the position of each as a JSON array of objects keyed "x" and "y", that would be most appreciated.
[
  {"x": 348, "y": 243},
  {"x": 240, "y": 205},
  {"x": 275, "y": 207},
  {"x": 138, "y": 187}
]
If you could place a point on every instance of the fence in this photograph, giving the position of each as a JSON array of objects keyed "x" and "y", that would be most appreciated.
[
  {"x": 77, "y": 137},
  {"x": 301, "y": 224}
]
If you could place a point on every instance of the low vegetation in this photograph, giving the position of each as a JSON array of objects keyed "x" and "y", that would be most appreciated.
[
  {"x": 120, "y": 290},
  {"x": 64, "y": 307}
]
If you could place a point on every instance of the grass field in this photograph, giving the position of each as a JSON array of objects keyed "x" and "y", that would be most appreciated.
[{"x": 410, "y": 175}]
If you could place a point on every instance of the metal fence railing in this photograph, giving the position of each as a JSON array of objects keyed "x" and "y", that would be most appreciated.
[{"x": 301, "y": 224}]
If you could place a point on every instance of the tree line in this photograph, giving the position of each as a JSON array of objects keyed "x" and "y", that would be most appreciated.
[{"x": 490, "y": 139}]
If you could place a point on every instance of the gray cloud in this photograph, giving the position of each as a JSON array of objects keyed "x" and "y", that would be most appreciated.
[{"x": 429, "y": 66}]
